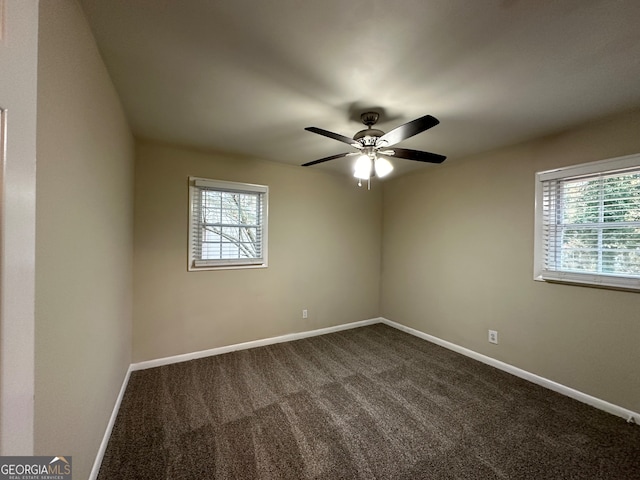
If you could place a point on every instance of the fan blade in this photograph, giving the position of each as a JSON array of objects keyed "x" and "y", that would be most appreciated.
[
  {"x": 325, "y": 159},
  {"x": 335, "y": 136},
  {"x": 418, "y": 155},
  {"x": 408, "y": 130}
]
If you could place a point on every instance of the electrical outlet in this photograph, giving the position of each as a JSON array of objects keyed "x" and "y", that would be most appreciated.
[
  {"x": 305, "y": 313},
  {"x": 493, "y": 336}
]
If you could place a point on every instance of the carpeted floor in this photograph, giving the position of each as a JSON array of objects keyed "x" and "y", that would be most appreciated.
[{"x": 368, "y": 403}]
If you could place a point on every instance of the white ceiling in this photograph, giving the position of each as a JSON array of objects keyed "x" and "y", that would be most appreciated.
[{"x": 246, "y": 76}]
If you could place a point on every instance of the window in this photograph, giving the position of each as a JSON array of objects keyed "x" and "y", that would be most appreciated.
[
  {"x": 588, "y": 224},
  {"x": 227, "y": 224}
]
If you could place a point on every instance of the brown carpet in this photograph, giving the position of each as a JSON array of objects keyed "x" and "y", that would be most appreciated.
[{"x": 368, "y": 403}]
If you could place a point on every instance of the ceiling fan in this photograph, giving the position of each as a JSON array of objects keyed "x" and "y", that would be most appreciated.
[{"x": 373, "y": 146}]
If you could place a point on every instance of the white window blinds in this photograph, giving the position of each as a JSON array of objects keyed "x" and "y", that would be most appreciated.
[
  {"x": 588, "y": 224},
  {"x": 228, "y": 224}
]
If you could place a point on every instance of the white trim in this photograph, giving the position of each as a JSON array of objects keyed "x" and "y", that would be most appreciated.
[
  {"x": 518, "y": 372},
  {"x": 253, "y": 344},
  {"x": 228, "y": 186},
  {"x": 617, "y": 163},
  {"x": 107, "y": 434},
  {"x": 628, "y": 415},
  {"x": 18, "y": 97},
  {"x": 590, "y": 279},
  {"x": 194, "y": 265},
  {"x": 540, "y": 273}
]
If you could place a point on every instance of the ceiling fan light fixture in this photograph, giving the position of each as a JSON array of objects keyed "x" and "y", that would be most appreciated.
[
  {"x": 362, "y": 168},
  {"x": 372, "y": 142},
  {"x": 382, "y": 167}
]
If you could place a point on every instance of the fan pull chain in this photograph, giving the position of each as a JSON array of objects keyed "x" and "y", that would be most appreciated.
[{"x": 368, "y": 183}]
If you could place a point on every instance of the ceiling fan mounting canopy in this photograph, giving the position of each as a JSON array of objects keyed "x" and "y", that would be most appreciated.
[
  {"x": 372, "y": 141},
  {"x": 369, "y": 118}
]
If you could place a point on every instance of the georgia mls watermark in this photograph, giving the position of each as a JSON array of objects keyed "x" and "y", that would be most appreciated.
[{"x": 35, "y": 468}]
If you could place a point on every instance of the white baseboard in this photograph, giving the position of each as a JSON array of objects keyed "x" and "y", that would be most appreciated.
[
  {"x": 207, "y": 353},
  {"x": 629, "y": 415},
  {"x": 253, "y": 344},
  {"x": 107, "y": 434}
]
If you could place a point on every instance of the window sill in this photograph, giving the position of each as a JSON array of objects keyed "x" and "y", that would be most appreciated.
[
  {"x": 205, "y": 268},
  {"x": 593, "y": 281}
]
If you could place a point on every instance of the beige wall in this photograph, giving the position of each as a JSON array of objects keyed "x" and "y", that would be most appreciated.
[
  {"x": 324, "y": 255},
  {"x": 458, "y": 260},
  {"x": 84, "y": 240},
  {"x": 457, "y": 254}
]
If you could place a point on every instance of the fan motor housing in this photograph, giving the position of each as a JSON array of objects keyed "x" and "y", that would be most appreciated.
[{"x": 369, "y": 135}]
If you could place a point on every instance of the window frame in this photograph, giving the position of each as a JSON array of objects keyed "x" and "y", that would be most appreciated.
[
  {"x": 197, "y": 184},
  {"x": 618, "y": 282}
]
